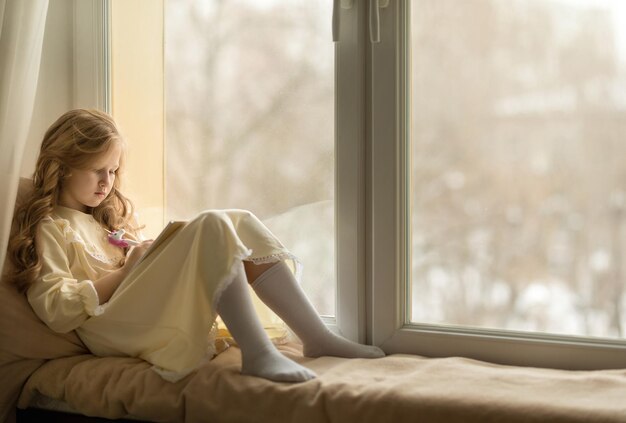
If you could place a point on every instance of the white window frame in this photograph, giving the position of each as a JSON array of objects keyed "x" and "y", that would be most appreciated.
[
  {"x": 389, "y": 227},
  {"x": 350, "y": 187}
]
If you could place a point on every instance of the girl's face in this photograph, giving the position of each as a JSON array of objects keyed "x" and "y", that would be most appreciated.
[{"x": 88, "y": 187}]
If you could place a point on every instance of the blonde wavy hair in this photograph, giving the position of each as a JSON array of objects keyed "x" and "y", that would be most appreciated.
[{"x": 74, "y": 141}]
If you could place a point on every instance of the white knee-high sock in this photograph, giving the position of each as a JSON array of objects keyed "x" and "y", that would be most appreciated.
[
  {"x": 278, "y": 288},
  {"x": 259, "y": 356}
]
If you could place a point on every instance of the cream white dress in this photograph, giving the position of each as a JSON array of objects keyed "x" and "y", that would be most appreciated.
[{"x": 165, "y": 310}]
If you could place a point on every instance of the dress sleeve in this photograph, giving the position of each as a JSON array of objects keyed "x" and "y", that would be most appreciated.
[{"x": 59, "y": 299}]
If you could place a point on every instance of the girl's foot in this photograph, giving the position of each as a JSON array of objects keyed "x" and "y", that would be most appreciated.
[
  {"x": 272, "y": 365},
  {"x": 337, "y": 346}
]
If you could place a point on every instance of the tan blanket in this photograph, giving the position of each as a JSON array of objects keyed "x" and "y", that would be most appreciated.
[{"x": 397, "y": 388}]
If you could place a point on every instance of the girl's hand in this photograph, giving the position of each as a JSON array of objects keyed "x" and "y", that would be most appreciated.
[
  {"x": 106, "y": 285},
  {"x": 135, "y": 253}
]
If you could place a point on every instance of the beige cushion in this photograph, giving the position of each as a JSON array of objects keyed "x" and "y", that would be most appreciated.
[{"x": 25, "y": 341}]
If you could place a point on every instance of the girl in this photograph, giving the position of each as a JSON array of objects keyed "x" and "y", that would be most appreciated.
[{"x": 162, "y": 309}]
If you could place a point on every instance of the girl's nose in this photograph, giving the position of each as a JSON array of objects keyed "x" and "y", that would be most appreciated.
[{"x": 105, "y": 181}]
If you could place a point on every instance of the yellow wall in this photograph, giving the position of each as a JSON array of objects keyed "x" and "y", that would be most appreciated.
[{"x": 137, "y": 72}]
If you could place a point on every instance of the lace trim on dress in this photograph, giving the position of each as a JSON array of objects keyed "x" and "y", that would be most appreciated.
[
  {"x": 274, "y": 258},
  {"x": 74, "y": 238},
  {"x": 102, "y": 258}
]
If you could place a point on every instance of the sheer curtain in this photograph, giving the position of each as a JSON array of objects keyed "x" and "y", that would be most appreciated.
[{"x": 22, "y": 24}]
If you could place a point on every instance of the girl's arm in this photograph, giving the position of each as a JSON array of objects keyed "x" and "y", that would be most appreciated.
[
  {"x": 106, "y": 286},
  {"x": 60, "y": 300}
]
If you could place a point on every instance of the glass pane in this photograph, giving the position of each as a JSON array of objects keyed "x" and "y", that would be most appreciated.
[
  {"x": 518, "y": 169},
  {"x": 250, "y": 106}
]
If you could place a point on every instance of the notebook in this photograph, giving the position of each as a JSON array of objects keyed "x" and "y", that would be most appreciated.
[{"x": 164, "y": 237}]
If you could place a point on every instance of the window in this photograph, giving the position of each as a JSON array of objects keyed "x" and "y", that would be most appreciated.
[
  {"x": 508, "y": 196},
  {"x": 138, "y": 84}
]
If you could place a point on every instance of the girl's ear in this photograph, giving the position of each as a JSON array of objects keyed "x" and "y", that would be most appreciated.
[{"x": 64, "y": 173}]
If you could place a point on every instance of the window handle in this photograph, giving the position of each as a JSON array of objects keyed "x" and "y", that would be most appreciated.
[
  {"x": 374, "y": 18},
  {"x": 375, "y": 6}
]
